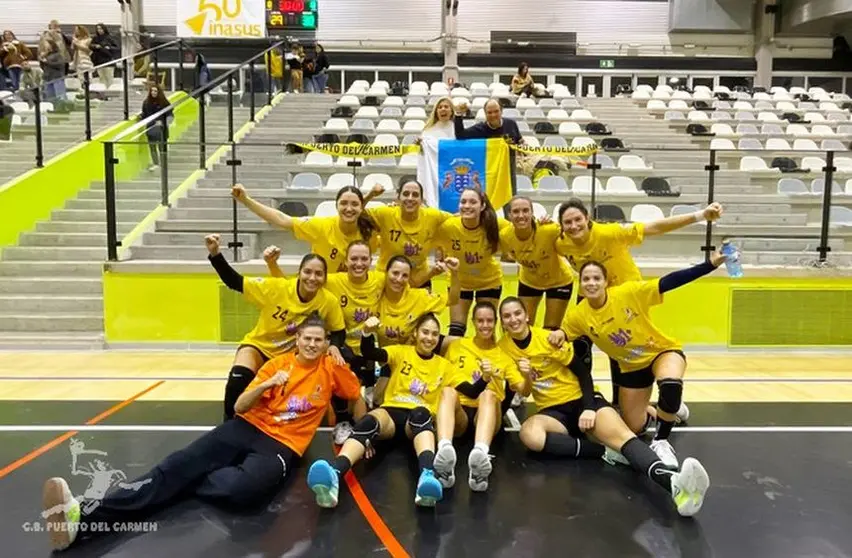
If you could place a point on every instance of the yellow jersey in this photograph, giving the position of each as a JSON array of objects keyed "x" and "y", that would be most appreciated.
[
  {"x": 396, "y": 319},
  {"x": 553, "y": 382},
  {"x": 466, "y": 357},
  {"x": 414, "y": 381},
  {"x": 608, "y": 244},
  {"x": 281, "y": 312},
  {"x": 539, "y": 266},
  {"x": 478, "y": 268},
  {"x": 622, "y": 327},
  {"x": 327, "y": 240},
  {"x": 412, "y": 239},
  {"x": 358, "y": 301}
]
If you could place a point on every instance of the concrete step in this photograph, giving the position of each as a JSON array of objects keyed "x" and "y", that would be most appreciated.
[
  {"x": 81, "y": 227},
  {"x": 41, "y": 285},
  {"x": 62, "y": 239},
  {"x": 168, "y": 239},
  {"x": 93, "y": 215},
  {"x": 216, "y": 213},
  {"x": 206, "y": 226},
  {"x": 124, "y": 195},
  {"x": 748, "y": 245},
  {"x": 53, "y": 321},
  {"x": 185, "y": 253},
  {"x": 775, "y": 220},
  {"x": 121, "y": 204},
  {"x": 16, "y": 304},
  {"x": 53, "y": 253},
  {"x": 758, "y": 209}
]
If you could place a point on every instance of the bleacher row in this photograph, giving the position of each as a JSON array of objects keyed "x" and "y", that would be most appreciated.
[{"x": 704, "y": 93}]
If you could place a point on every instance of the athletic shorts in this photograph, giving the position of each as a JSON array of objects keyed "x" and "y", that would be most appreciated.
[
  {"x": 470, "y": 412},
  {"x": 568, "y": 414},
  {"x": 556, "y": 293},
  {"x": 263, "y": 357},
  {"x": 484, "y": 293},
  {"x": 399, "y": 418},
  {"x": 643, "y": 378},
  {"x": 364, "y": 369}
]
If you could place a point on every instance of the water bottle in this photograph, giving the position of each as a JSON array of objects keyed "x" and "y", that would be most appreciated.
[{"x": 732, "y": 259}]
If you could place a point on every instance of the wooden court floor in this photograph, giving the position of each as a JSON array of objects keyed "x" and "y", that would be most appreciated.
[{"x": 787, "y": 377}]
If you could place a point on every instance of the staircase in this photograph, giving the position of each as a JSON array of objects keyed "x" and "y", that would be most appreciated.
[{"x": 50, "y": 282}]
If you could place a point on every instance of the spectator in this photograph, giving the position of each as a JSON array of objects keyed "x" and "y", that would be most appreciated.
[
  {"x": 13, "y": 53},
  {"x": 104, "y": 51},
  {"x": 81, "y": 46},
  {"x": 6, "y": 113},
  {"x": 157, "y": 132},
  {"x": 275, "y": 65},
  {"x": 294, "y": 63},
  {"x": 32, "y": 78},
  {"x": 495, "y": 125},
  {"x": 321, "y": 66},
  {"x": 308, "y": 72},
  {"x": 62, "y": 41},
  {"x": 522, "y": 83},
  {"x": 440, "y": 123},
  {"x": 54, "y": 72}
]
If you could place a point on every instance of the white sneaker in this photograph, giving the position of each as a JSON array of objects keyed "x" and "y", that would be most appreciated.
[
  {"x": 614, "y": 457},
  {"x": 517, "y": 401},
  {"x": 61, "y": 513},
  {"x": 479, "y": 464},
  {"x": 682, "y": 413},
  {"x": 445, "y": 465},
  {"x": 152, "y": 168},
  {"x": 689, "y": 485},
  {"x": 341, "y": 432},
  {"x": 665, "y": 452}
]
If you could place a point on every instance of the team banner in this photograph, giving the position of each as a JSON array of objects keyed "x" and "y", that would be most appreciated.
[
  {"x": 554, "y": 151},
  {"x": 362, "y": 150},
  {"x": 232, "y": 19}
]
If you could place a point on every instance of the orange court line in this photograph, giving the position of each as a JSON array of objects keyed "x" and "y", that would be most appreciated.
[
  {"x": 393, "y": 546},
  {"x": 59, "y": 439}
]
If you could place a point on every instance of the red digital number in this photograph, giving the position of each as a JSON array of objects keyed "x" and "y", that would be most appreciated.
[{"x": 292, "y": 5}]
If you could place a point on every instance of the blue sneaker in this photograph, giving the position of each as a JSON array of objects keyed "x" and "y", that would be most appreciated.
[
  {"x": 324, "y": 481},
  {"x": 429, "y": 490}
]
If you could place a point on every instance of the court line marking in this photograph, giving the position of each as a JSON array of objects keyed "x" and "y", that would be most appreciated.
[
  {"x": 90, "y": 427},
  {"x": 380, "y": 528},
  {"x": 773, "y": 380},
  {"x": 71, "y": 431}
]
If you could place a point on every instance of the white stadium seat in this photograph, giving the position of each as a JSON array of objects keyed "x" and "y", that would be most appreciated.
[{"x": 645, "y": 213}]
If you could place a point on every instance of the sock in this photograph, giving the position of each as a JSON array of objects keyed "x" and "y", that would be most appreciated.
[
  {"x": 564, "y": 445},
  {"x": 425, "y": 460},
  {"x": 480, "y": 446},
  {"x": 664, "y": 428},
  {"x": 341, "y": 464},
  {"x": 442, "y": 443},
  {"x": 645, "y": 461}
]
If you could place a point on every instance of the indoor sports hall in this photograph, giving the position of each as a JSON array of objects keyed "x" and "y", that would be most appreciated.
[{"x": 718, "y": 133}]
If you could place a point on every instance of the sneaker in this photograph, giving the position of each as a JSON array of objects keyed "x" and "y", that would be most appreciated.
[
  {"x": 429, "y": 491},
  {"x": 152, "y": 168},
  {"x": 341, "y": 432},
  {"x": 665, "y": 452},
  {"x": 689, "y": 485},
  {"x": 445, "y": 465},
  {"x": 682, "y": 413},
  {"x": 517, "y": 401},
  {"x": 614, "y": 457},
  {"x": 324, "y": 482},
  {"x": 479, "y": 464},
  {"x": 61, "y": 513}
]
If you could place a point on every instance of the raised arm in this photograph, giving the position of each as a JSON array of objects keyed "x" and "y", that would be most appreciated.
[
  {"x": 232, "y": 279},
  {"x": 270, "y": 215},
  {"x": 270, "y": 256},
  {"x": 681, "y": 277},
  {"x": 369, "y": 350},
  {"x": 474, "y": 389},
  {"x": 669, "y": 224},
  {"x": 249, "y": 398}
]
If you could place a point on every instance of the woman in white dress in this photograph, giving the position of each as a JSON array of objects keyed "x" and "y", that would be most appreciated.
[{"x": 438, "y": 126}]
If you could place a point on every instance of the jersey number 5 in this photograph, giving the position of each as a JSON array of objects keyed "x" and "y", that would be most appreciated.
[{"x": 456, "y": 244}]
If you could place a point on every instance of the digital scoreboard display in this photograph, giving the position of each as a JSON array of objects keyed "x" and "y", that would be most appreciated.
[{"x": 291, "y": 14}]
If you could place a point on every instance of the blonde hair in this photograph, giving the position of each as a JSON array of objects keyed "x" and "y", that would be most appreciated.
[
  {"x": 433, "y": 118},
  {"x": 81, "y": 32}
]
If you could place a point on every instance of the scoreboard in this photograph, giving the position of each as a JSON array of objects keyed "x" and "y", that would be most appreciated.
[{"x": 291, "y": 15}]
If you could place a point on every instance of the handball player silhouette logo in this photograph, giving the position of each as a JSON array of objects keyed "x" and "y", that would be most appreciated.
[{"x": 102, "y": 476}]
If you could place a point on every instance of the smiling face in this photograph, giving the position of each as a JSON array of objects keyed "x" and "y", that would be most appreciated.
[
  {"x": 493, "y": 114},
  {"x": 521, "y": 214},
  {"x": 398, "y": 275},
  {"x": 593, "y": 282},
  {"x": 484, "y": 320},
  {"x": 444, "y": 111},
  {"x": 470, "y": 206},
  {"x": 575, "y": 224},
  {"x": 311, "y": 342},
  {"x": 514, "y": 318},
  {"x": 358, "y": 260},
  {"x": 410, "y": 197},
  {"x": 426, "y": 337},
  {"x": 312, "y": 276},
  {"x": 349, "y": 207}
]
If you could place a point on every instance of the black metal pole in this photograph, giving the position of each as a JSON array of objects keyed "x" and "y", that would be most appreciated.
[
  {"x": 39, "y": 138},
  {"x": 829, "y": 169},
  {"x": 164, "y": 165},
  {"x": 251, "y": 90},
  {"x": 230, "y": 108},
  {"x": 235, "y": 225},
  {"x": 594, "y": 166},
  {"x": 202, "y": 132},
  {"x": 125, "y": 80},
  {"x": 355, "y": 166},
  {"x": 156, "y": 54},
  {"x": 109, "y": 191},
  {"x": 269, "y": 77},
  {"x": 86, "y": 82},
  {"x": 711, "y": 168},
  {"x": 180, "y": 66}
]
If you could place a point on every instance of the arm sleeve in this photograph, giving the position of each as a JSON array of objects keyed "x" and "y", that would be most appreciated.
[
  {"x": 472, "y": 390},
  {"x": 232, "y": 279},
  {"x": 346, "y": 384},
  {"x": 515, "y": 134},
  {"x": 338, "y": 339},
  {"x": 587, "y": 386},
  {"x": 370, "y": 351},
  {"x": 681, "y": 277},
  {"x": 461, "y": 132}
]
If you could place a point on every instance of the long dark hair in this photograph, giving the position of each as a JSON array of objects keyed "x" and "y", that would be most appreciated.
[
  {"x": 398, "y": 258},
  {"x": 485, "y": 305},
  {"x": 366, "y": 226},
  {"x": 488, "y": 220},
  {"x": 593, "y": 263},
  {"x": 311, "y": 257},
  {"x": 427, "y": 317},
  {"x": 521, "y": 67},
  {"x": 509, "y": 300},
  {"x": 160, "y": 100}
]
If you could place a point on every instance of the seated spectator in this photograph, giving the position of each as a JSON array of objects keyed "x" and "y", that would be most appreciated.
[{"x": 522, "y": 83}]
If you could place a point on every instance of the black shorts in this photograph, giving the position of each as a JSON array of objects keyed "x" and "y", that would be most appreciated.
[
  {"x": 558, "y": 293},
  {"x": 568, "y": 414},
  {"x": 263, "y": 357},
  {"x": 364, "y": 369},
  {"x": 399, "y": 418},
  {"x": 484, "y": 293},
  {"x": 643, "y": 378},
  {"x": 470, "y": 412}
]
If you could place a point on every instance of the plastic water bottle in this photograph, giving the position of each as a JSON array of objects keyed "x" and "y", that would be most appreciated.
[{"x": 732, "y": 259}]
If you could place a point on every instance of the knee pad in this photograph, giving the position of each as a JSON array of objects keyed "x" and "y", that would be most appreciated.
[
  {"x": 671, "y": 394},
  {"x": 238, "y": 380},
  {"x": 420, "y": 420},
  {"x": 457, "y": 330},
  {"x": 366, "y": 430}
]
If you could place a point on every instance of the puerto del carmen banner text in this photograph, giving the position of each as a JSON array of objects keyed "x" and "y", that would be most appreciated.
[{"x": 231, "y": 19}]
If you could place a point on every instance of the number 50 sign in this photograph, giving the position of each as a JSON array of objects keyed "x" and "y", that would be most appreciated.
[{"x": 232, "y": 19}]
